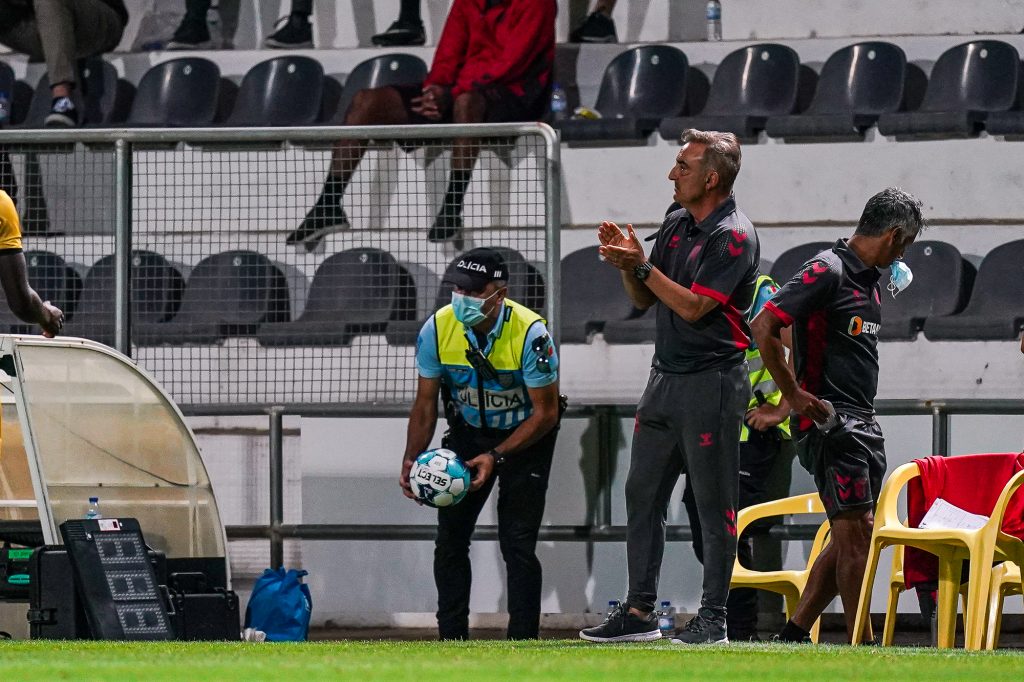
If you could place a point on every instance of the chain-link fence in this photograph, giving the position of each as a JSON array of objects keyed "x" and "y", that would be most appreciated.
[{"x": 277, "y": 266}]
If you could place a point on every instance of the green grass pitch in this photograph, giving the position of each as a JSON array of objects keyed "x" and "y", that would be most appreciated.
[{"x": 485, "y": 661}]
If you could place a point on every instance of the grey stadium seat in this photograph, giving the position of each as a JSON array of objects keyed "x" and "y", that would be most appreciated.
[
  {"x": 54, "y": 281},
  {"x": 967, "y": 83},
  {"x": 789, "y": 262},
  {"x": 750, "y": 85},
  {"x": 102, "y": 99},
  {"x": 942, "y": 285},
  {"x": 857, "y": 84},
  {"x": 284, "y": 91},
  {"x": 353, "y": 292},
  {"x": 227, "y": 294},
  {"x": 156, "y": 288},
  {"x": 378, "y": 72},
  {"x": 996, "y": 308},
  {"x": 592, "y": 295},
  {"x": 640, "y": 87},
  {"x": 180, "y": 92}
]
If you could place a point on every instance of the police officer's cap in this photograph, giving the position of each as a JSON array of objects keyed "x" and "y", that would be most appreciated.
[{"x": 474, "y": 269}]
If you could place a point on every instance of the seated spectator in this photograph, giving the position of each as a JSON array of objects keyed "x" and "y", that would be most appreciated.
[
  {"x": 61, "y": 32},
  {"x": 406, "y": 30},
  {"x": 493, "y": 64},
  {"x": 598, "y": 27},
  {"x": 193, "y": 33}
]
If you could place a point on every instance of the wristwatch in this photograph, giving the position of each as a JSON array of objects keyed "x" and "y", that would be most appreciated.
[
  {"x": 499, "y": 458},
  {"x": 643, "y": 270}
]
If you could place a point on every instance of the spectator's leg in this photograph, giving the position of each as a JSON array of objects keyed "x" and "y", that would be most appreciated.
[
  {"x": 303, "y": 7},
  {"x": 378, "y": 106},
  {"x": 193, "y": 33},
  {"x": 598, "y": 27},
  {"x": 469, "y": 107},
  {"x": 74, "y": 29},
  {"x": 296, "y": 32},
  {"x": 406, "y": 30}
]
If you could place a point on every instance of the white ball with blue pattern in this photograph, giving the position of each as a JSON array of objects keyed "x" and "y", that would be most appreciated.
[{"x": 439, "y": 478}]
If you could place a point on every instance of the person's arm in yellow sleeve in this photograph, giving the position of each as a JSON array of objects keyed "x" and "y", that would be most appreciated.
[{"x": 22, "y": 299}]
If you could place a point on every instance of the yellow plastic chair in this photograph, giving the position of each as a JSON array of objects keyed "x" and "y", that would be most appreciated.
[
  {"x": 790, "y": 584},
  {"x": 952, "y": 546},
  {"x": 897, "y": 586},
  {"x": 1006, "y": 580}
]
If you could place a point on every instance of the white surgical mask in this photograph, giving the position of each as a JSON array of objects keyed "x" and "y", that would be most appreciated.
[{"x": 900, "y": 277}]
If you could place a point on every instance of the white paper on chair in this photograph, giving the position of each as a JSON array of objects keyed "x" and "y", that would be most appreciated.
[{"x": 943, "y": 515}]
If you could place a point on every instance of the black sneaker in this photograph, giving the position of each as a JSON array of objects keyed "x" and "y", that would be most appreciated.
[
  {"x": 596, "y": 28},
  {"x": 401, "y": 33},
  {"x": 63, "y": 114},
  {"x": 192, "y": 34},
  {"x": 296, "y": 33},
  {"x": 702, "y": 629},
  {"x": 777, "y": 639},
  {"x": 324, "y": 218},
  {"x": 447, "y": 228},
  {"x": 622, "y": 626}
]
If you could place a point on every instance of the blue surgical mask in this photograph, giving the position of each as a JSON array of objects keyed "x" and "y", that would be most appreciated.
[
  {"x": 469, "y": 310},
  {"x": 900, "y": 277}
]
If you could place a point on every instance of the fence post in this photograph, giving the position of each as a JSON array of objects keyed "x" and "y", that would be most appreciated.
[
  {"x": 122, "y": 245},
  {"x": 276, "y": 486},
  {"x": 940, "y": 431},
  {"x": 553, "y": 229}
]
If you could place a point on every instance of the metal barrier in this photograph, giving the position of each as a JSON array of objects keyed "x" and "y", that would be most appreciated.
[
  {"x": 600, "y": 529},
  {"x": 263, "y": 266}
]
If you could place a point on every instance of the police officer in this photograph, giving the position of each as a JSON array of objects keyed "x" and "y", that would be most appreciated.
[
  {"x": 764, "y": 445},
  {"x": 493, "y": 359}
]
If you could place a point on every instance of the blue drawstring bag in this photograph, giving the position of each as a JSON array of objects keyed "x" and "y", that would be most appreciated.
[{"x": 280, "y": 605}]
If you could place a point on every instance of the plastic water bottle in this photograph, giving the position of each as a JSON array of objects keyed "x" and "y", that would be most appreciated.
[
  {"x": 713, "y": 13},
  {"x": 94, "y": 509},
  {"x": 5, "y": 107},
  {"x": 559, "y": 103},
  {"x": 667, "y": 620}
]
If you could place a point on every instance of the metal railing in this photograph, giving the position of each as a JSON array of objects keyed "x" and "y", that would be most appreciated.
[{"x": 600, "y": 529}]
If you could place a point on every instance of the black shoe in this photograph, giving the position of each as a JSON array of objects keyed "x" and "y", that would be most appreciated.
[
  {"x": 63, "y": 114},
  {"x": 777, "y": 639},
  {"x": 447, "y": 227},
  {"x": 401, "y": 33},
  {"x": 192, "y": 34},
  {"x": 296, "y": 33},
  {"x": 324, "y": 218},
  {"x": 596, "y": 28},
  {"x": 622, "y": 626},
  {"x": 702, "y": 629}
]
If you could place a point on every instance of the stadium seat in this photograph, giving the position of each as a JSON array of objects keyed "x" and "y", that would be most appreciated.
[
  {"x": 639, "y": 327},
  {"x": 353, "y": 292},
  {"x": 857, "y": 84},
  {"x": 592, "y": 294},
  {"x": 156, "y": 289},
  {"x": 54, "y": 281},
  {"x": 525, "y": 285},
  {"x": 996, "y": 308},
  {"x": 967, "y": 83},
  {"x": 640, "y": 87},
  {"x": 790, "y": 261},
  {"x": 790, "y": 584},
  {"x": 942, "y": 286},
  {"x": 284, "y": 91},
  {"x": 103, "y": 99},
  {"x": 378, "y": 72},
  {"x": 750, "y": 85},
  {"x": 1009, "y": 124},
  {"x": 181, "y": 92},
  {"x": 228, "y": 294}
]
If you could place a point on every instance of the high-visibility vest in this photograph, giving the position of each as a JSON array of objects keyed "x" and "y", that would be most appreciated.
[
  {"x": 760, "y": 379},
  {"x": 507, "y": 402}
]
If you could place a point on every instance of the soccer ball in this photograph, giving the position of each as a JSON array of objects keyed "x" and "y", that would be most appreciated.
[{"x": 439, "y": 478}]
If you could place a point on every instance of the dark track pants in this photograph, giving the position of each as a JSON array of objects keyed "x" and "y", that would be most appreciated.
[
  {"x": 757, "y": 459},
  {"x": 522, "y": 484},
  {"x": 691, "y": 423}
]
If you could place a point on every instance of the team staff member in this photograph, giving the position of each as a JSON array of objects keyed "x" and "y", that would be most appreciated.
[
  {"x": 764, "y": 443},
  {"x": 834, "y": 305},
  {"x": 486, "y": 346},
  {"x": 701, "y": 275}
]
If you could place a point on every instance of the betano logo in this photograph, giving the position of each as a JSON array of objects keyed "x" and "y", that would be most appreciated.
[{"x": 858, "y": 326}]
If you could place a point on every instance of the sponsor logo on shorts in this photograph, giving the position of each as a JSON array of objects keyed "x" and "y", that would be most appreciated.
[{"x": 858, "y": 326}]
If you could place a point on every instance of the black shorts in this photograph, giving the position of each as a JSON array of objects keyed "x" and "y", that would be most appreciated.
[
  {"x": 847, "y": 463},
  {"x": 503, "y": 106}
]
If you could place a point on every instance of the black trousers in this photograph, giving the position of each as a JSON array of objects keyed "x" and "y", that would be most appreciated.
[
  {"x": 522, "y": 485},
  {"x": 757, "y": 458}
]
